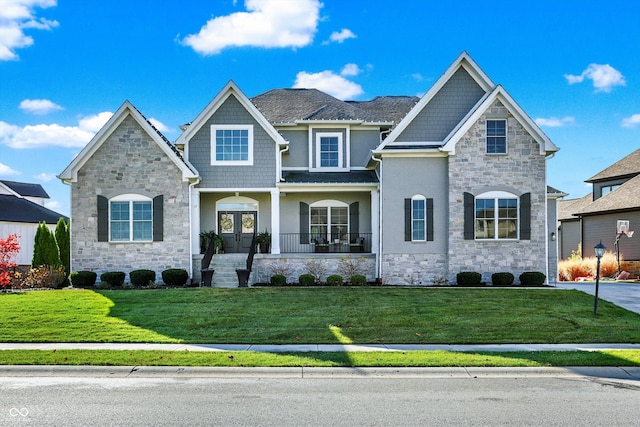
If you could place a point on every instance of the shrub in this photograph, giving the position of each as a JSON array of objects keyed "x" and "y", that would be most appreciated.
[
  {"x": 349, "y": 267},
  {"x": 83, "y": 279},
  {"x": 175, "y": 276},
  {"x": 335, "y": 280},
  {"x": 45, "y": 276},
  {"x": 278, "y": 280},
  {"x": 316, "y": 268},
  {"x": 502, "y": 279},
  {"x": 306, "y": 279},
  {"x": 279, "y": 268},
  {"x": 142, "y": 277},
  {"x": 45, "y": 248},
  {"x": 469, "y": 278},
  {"x": 358, "y": 280},
  {"x": 113, "y": 278},
  {"x": 532, "y": 278},
  {"x": 64, "y": 247}
]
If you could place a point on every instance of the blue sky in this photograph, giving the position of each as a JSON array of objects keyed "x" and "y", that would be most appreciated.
[{"x": 66, "y": 65}]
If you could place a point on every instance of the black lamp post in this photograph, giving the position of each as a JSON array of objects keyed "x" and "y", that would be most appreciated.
[{"x": 599, "y": 248}]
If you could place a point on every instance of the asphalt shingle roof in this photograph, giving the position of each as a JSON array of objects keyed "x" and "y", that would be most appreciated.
[
  {"x": 627, "y": 166},
  {"x": 567, "y": 208},
  {"x": 16, "y": 209},
  {"x": 625, "y": 197},
  {"x": 26, "y": 189},
  {"x": 353, "y": 177}
]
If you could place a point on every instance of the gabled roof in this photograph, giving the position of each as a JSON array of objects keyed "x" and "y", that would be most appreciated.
[
  {"x": 293, "y": 106},
  {"x": 567, "y": 208},
  {"x": 555, "y": 193},
  {"x": 127, "y": 109},
  {"x": 626, "y": 197},
  {"x": 25, "y": 189},
  {"x": 624, "y": 168},
  {"x": 499, "y": 94},
  {"x": 17, "y": 209},
  {"x": 230, "y": 89}
]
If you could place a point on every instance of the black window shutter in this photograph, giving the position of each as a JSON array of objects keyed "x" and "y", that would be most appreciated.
[
  {"x": 407, "y": 220},
  {"x": 525, "y": 216},
  {"x": 103, "y": 219},
  {"x": 354, "y": 219},
  {"x": 158, "y": 218},
  {"x": 469, "y": 217},
  {"x": 429, "y": 220},
  {"x": 304, "y": 223}
]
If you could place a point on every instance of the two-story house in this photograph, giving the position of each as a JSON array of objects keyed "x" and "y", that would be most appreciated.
[{"x": 418, "y": 188}]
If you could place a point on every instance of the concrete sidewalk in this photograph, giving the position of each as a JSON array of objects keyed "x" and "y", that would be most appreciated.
[
  {"x": 282, "y": 348},
  {"x": 623, "y": 294}
]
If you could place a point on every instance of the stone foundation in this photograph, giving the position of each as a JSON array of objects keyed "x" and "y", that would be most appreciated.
[
  {"x": 262, "y": 265},
  {"x": 414, "y": 269}
]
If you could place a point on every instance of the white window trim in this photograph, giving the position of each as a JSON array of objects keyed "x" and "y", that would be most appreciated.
[
  {"x": 496, "y": 195},
  {"x": 248, "y": 162},
  {"x": 130, "y": 198},
  {"x": 330, "y": 204},
  {"x": 506, "y": 136},
  {"x": 342, "y": 162},
  {"x": 423, "y": 199}
]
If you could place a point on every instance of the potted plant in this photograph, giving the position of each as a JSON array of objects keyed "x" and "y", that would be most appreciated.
[
  {"x": 264, "y": 241},
  {"x": 218, "y": 243},
  {"x": 205, "y": 239}
]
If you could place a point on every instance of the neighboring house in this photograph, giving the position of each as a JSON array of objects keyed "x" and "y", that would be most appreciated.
[
  {"x": 418, "y": 188},
  {"x": 615, "y": 196},
  {"x": 21, "y": 210}
]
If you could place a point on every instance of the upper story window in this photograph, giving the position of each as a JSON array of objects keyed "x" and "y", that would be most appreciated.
[
  {"x": 131, "y": 218},
  {"x": 606, "y": 189},
  {"x": 496, "y": 137},
  {"x": 232, "y": 145},
  {"x": 329, "y": 150},
  {"x": 496, "y": 216}
]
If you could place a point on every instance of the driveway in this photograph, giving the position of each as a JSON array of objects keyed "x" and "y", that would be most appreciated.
[{"x": 623, "y": 294}]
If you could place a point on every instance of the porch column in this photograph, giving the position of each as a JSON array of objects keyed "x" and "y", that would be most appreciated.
[
  {"x": 195, "y": 221},
  {"x": 375, "y": 221},
  {"x": 275, "y": 221}
]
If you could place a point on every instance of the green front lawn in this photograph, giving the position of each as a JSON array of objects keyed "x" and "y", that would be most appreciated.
[{"x": 315, "y": 315}]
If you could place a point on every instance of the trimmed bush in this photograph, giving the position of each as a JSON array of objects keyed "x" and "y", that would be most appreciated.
[
  {"x": 175, "y": 276},
  {"x": 335, "y": 280},
  {"x": 142, "y": 277},
  {"x": 358, "y": 280},
  {"x": 306, "y": 279},
  {"x": 502, "y": 279},
  {"x": 532, "y": 278},
  {"x": 278, "y": 280},
  {"x": 83, "y": 279},
  {"x": 469, "y": 278},
  {"x": 113, "y": 278}
]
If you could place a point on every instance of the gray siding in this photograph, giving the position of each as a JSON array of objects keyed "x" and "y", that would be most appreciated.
[
  {"x": 261, "y": 174},
  {"x": 569, "y": 238},
  {"x": 552, "y": 220},
  {"x": 298, "y": 154},
  {"x": 447, "y": 108},
  {"x": 362, "y": 142},
  {"x": 603, "y": 228}
]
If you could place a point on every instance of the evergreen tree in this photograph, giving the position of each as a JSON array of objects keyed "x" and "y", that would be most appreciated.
[
  {"x": 64, "y": 247},
  {"x": 45, "y": 250}
]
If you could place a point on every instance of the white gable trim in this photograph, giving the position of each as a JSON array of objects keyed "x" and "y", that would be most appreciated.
[
  {"x": 229, "y": 89},
  {"x": 70, "y": 174},
  {"x": 6, "y": 190},
  {"x": 463, "y": 61},
  {"x": 546, "y": 146}
]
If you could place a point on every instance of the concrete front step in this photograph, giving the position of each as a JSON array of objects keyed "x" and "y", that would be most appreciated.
[{"x": 225, "y": 266}]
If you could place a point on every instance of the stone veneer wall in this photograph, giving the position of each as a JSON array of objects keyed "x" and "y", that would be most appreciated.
[
  {"x": 520, "y": 171},
  {"x": 262, "y": 272},
  {"x": 414, "y": 269},
  {"x": 129, "y": 161}
]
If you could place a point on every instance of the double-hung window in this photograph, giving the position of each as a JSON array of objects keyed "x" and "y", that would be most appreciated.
[
  {"x": 131, "y": 219},
  {"x": 496, "y": 216},
  {"x": 232, "y": 145},
  {"x": 329, "y": 150},
  {"x": 496, "y": 137},
  {"x": 418, "y": 219}
]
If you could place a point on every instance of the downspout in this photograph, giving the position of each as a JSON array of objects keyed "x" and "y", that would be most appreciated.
[
  {"x": 378, "y": 258},
  {"x": 282, "y": 151}
]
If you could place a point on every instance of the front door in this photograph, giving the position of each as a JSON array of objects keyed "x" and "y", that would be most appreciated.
[{"x": 236, "y": 229}]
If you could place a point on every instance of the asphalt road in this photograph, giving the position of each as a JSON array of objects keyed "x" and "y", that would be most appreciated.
[{"x": 477, "y": 398}]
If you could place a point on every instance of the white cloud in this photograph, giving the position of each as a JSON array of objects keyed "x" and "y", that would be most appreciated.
[
  {"x": 603, "y": 76},
  {"x": 39, "y": 106},
  {"x": 16, "y": 16},
  {"x": 53, "y": 135},
  {"x": 555, "y": 122},
  {"x": 632, "y": 121},
  {"x": 44, "y": 177},
  {"x": 159, "y": 125},
  {"x": 350, "y": 70},
  {"x": 54, "y": 205},
  {"x": 7, "y": 171},
  {"x": 328, "y": 82},
  {"x": 267, "y": 23},
  {"x": 340, "y": 36}
]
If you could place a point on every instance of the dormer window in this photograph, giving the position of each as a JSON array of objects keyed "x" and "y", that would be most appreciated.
[{"x": 329, "y": 150}]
